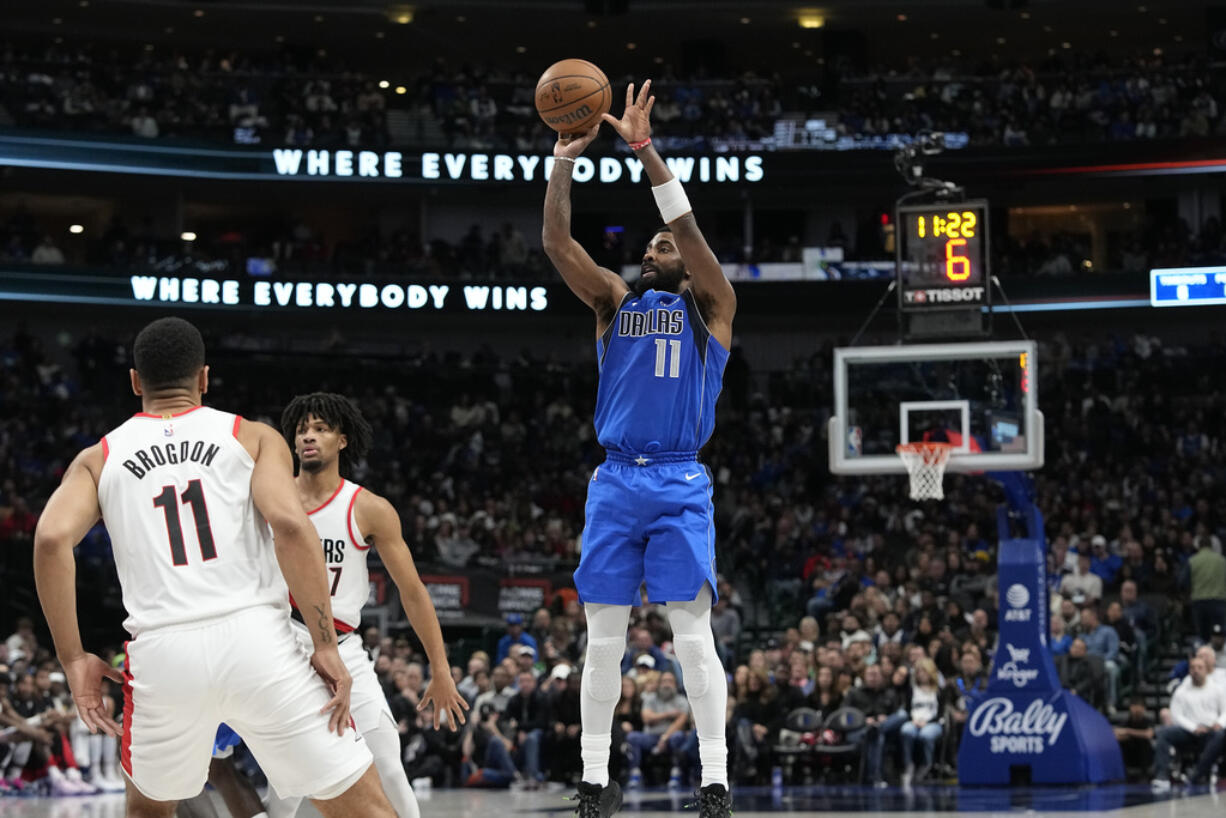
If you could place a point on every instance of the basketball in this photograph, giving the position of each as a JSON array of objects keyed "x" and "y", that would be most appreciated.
[{"x": 571, "y": 95}]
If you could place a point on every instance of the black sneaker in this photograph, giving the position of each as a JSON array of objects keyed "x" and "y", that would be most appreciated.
[
  {"x": 596, "y": 801},
  {"x": 714, "y": 802}
]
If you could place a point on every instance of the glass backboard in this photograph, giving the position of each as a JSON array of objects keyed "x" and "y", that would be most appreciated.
[{"x": 980, "y": 397}]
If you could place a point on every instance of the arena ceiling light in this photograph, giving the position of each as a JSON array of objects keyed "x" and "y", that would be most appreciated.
[
  {"x": 187, "y": 235},
  {"x": 810, "y": 19},
  {"x": 76, "y": 229},
  {"x": 402, "y": 15}
]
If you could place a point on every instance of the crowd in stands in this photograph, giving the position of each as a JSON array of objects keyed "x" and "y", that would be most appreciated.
[
  {"x": 1068, "y": 98},
  {"x": 289, "y": 98},
  {"x": 844, "y": 593},
  {"x": 282, "y": 99}
]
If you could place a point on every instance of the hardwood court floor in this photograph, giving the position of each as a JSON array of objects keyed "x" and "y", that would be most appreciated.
[{"x": 1126, "y": 801}]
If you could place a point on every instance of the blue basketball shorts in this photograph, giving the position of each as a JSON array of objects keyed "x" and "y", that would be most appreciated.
[{"x": 652, "y": 522}]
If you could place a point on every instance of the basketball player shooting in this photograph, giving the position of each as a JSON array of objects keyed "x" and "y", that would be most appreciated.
[
  {"x": 185, "y": 491},
  {"x": 329, "y": 436},
  {"x": 661, "y": 348}
]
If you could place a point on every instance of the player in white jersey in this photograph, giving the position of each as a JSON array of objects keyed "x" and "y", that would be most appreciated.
[
  {"x": 329, "y": 435},
  {"x": 188, "y": 495}
]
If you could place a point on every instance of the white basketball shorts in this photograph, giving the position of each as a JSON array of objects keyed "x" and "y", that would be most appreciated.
[{"x": 246, "y": 669}]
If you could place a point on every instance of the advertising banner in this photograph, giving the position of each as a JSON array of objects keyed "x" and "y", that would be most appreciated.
[{"x": 1026, "y": 720}]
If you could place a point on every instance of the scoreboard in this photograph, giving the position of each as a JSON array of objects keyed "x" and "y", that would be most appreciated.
[
  {"x": 943, "y": 256},
  {"x": 1187, "y": 286}
]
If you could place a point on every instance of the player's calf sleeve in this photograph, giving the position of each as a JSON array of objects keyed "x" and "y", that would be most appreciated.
[
  {"x": 706, "y": 687},
  {"x": 384, "y": 744},
  {"x": 597, "y": 699},
  {"x": 278, "y": 807},
  {"x": 602, "y": 686}
]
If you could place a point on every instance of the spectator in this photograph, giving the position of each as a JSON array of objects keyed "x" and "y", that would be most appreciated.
[
  {"x": 1136, "y": 738},
  {"x": 1060, "y": 640},
  {"x": 1198, "y": 716},
  {"x": 528, "y": 714},
  {"x": 1205, "y": 575},
  {"x": 47, "y": 253},
  {"x": 1083, "y": 675},
  {"x": 488, "y": 752},
  {"x": 1102, "y": 562},
  {"x": 515, "y": 635},
  {"x": 641, "y": 644},
  {"x": 665, "y": 716},
  {"x": 924, "y": 712},
  {"x": 1102, "y": 641},
  {"x": 500, "y": 691},
  {"x": 1083, "y": 585},
  {"x": 825, "y": 698},
  {"x": 726, "y": 623},
  {"x": 882, "y": 719},
  {"x": 478, "y": 663},
  {"x": 145, "y": 125},
  {"x": 564, "y": 711},
  {"x": 1217, "y": 640},
  {"x": 1138, "y": 613},
  {"x": 23, "y": 638},
  {"x": 756, "y": 719},
  {"x": 965, "y": 690}
]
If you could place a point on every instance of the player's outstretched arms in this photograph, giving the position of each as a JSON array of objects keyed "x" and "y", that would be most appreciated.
[
  {"x": 300, "y": 557},
  {"x": 711, "y": 287},
  {"x": 599, "y": 288}
]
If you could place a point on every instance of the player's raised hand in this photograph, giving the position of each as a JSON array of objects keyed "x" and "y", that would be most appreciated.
[
  {"x": 635, "y": 124},
  {"x": 84, "y": 674},
  {"x": 572, "y": 145},
  {"x": 328, "y": 664},
  {"x": 442, "y": 693}
]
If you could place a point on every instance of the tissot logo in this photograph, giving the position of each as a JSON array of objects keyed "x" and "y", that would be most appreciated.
[{"x": 945, "y": 295}]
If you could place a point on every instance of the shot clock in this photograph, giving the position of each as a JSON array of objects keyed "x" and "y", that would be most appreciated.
[{"x": 943, "y": 256}]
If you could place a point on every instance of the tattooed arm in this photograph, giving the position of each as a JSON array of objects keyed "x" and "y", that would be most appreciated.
[{"x": 300, "y": 557}]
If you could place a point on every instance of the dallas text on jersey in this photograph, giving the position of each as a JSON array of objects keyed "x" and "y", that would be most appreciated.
[
  {"x": 185, "y": 451},
  {"x": 652, "y": 322}
]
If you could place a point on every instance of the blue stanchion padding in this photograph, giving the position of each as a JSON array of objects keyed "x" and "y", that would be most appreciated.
[{"x": 1026, "y": 720}]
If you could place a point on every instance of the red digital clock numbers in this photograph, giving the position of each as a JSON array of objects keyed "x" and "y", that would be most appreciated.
[{"x": 957, "y": 266}]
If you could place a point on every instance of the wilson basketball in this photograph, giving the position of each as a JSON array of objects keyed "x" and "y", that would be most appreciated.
[{"x": 571, "y": 95}]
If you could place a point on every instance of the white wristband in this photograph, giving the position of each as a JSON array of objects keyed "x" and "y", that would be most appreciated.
[{"x": 671, "y": 200}]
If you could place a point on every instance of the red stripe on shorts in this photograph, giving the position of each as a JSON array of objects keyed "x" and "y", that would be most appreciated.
[{"x": 125, "y": 746}]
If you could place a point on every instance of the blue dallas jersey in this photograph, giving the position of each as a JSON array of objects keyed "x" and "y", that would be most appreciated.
[{"x": 660, "y": 375}]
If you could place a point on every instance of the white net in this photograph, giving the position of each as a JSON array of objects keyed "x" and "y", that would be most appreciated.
[{"x": 925, "y": 463}]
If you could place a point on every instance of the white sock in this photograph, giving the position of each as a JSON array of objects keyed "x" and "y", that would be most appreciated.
[
  {"x": 602, "y": 679},
  {"x": 705, "y": 684}
]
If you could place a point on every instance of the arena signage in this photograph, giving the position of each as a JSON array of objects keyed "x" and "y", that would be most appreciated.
[
  {"x": 113, "y": 155},
  {"x": 291, "y": 295}
]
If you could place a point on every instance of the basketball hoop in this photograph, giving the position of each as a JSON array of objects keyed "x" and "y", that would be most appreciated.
[{"x": 925, "y": 462}]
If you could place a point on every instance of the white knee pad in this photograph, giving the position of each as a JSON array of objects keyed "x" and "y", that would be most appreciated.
[
  {"x": 691, "y": 651},
  {"x": 602, "y": 674}
]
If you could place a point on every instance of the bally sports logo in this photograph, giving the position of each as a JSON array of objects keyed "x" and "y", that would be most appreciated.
[
  {"x": 1018, "y": 598},
  {"x": 1014, "y": 731},
  {"x": 1013, "y": 669}
]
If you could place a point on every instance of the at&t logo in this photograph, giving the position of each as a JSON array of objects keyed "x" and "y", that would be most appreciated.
[{"x": 1018, "y": 598}]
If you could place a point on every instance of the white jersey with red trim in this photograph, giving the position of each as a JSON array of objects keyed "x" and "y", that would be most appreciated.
[
  {"x": 345, "y": 555},
  {"x": 189, "y": 543}
]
